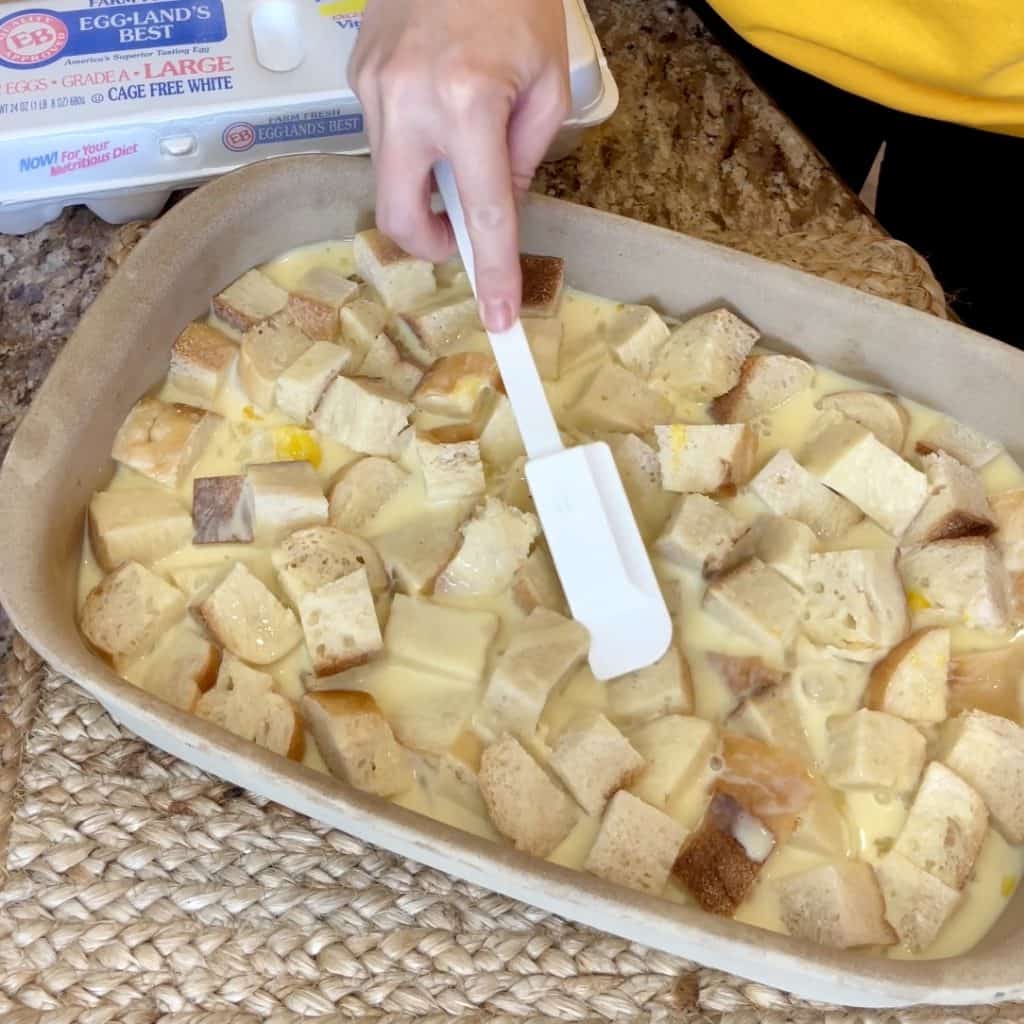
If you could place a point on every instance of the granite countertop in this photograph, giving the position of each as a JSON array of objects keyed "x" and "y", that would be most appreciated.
[{"x": 694, "y": 146}]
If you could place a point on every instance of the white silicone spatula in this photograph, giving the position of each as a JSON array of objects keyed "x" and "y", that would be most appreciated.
[{"x": 590, "y": 529}]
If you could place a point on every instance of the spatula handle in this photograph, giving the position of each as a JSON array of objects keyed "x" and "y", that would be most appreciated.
[{"x": 511, "y": 348}]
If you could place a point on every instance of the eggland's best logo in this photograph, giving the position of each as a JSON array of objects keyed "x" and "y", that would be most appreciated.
[
  {"x": 239, "y": 137},
  {"x": 32, "y": 38}
]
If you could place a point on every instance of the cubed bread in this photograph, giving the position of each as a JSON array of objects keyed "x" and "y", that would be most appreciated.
[
  {"x": 853, "y": 462},
  {"x": 179, "y": 670},
  {"x": 430, "y": 331},
  {"x": 545, "y": 338},
  {"x": 128, "y": 610},
  {"x": 416, "y": 553},
  {"x": 636, "y": 845},
  {"x": 987, "y": 680},
  {"x": 945, "y": 828},
  {"x": 286, "y": 496},
  {"x": 917, "y": 904},
  {"x": 873, "y": 750},
  {"x": 616, "y": 399},
  {"x": 496, "y": 541},
  {"x": 500, "y": 440},
  {"x": 268, "y": 349},
  {"x": 968, "y": 446},
  {"x": 635, "y": 336},
  {"x": 340, "y": 624},
  {"x": 246, "y": 618},
  {"x": 838, "y": 905},
  {"x": 911, "y": 681},
  {"x": 759, "y": 603},
  {"x": 743, "y": 676},
  {"x": 1008, "y": 512},
  {"x": 594, "y": 760},
  {"x": 884, "y": 415},
  {"x": 301, "y": 386},
  {"x": 163, "y": 440},
  {"x": 451, "y": 472},
  {"x": 536, "y": 585},
  {"x": 136, "y": 525},
  {"x": 540, "y": 655},
  {"x": 855, "y": 602},
  {"x": 253, "y": 298},
  {"x": 362, "y": 414},
  {"x": 771, "y": 715},
  {"x": 244, "y": 703},
  {"x": 222, "y": 510},
  {"x": 362, "y": 489},
  {"x": 398, "y": 278},
  {"x": 356, "y": 742},
  {"x": 664, "y": 688},
  {"x": 789, "y": 490},
  {"x": 455, "y": 385},
  {"x": 783, "y": 544},
  {"x": 316, "y": 555},
  {"x": 362, "y": 320},
  {"x": 766, "y": 382},
  {"x": 822, "y": 827},
  {"x": 958, "y": 581},
  {"x": 384, "y": 361},
  {"x": 705, "y": 458},
  {"x": 987, "y": 752},
  {"x": 543, "y": 281},
  {"x": 702, "y": 359},
  {"x": 453, "y": 641},
  {"x": 676, "y": 750},
  {"x": 526, "y": 806},
  {"x": 699, "y": 534},
  {"x": 201, "y": 361},
  {"x": 315, "y": 304},
  {"x": 640, "y": 471},
  {"x": 956, "y": 505}
]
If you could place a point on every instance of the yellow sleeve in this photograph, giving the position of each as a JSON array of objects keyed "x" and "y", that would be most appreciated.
[{"x": 954, "y": 60}]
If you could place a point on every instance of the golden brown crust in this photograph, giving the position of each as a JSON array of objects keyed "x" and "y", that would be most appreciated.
[
  {"x": 744, "y": 676},
  {"x": 957, "y": 525},
  {"x": 317, "y": 320},
  {"x": 297, "y": 748},
  {"x": 203, "y": 345},
  {"x": 543, "y": 279},
  {"x": 723, "y": 407}
]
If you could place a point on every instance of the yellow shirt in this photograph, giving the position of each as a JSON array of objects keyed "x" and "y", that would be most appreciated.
[{"x": 954, "y": 60}]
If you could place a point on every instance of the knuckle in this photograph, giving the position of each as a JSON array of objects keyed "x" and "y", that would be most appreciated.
[{"x": 464, "y": 87}]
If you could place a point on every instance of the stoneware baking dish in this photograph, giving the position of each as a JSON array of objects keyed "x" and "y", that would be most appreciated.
[{"x": 61, "y": 454}]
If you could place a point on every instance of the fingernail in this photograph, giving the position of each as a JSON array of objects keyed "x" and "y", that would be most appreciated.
[{"x": 497, "y": 316}]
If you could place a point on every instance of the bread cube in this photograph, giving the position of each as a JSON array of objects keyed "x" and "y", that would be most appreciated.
[
  {"x": 309, "y": 558},
  {"x": 838, "y": 905},
  {"x": 340, "y": 624},
  {"x": 987, "y": 752},
  {"x": 362, "y": 489},
  {"x": 362, "y": 320},
  {"x": 771, "y": 715},
  {"x": 536, "y": 585},
  {"x": 179, "y": 670},
  {"x": 268, "y": 349},
  {"x": 495, "y": 543},
  {"x": 543, "y": 281},
  {"x": 884, "y": 415},
  {"x": 855, "y": 602},
  {"x": 616, "y": 399},
  {"x": 128, "y": 610},
  {"x": 594, "y": 760},
  {"x": 245, "y": 617},
  {"x": 385, "y": 362},
  {"x": 789, "y": 490},
  {"x": 640, "y": 471},
  {"x": 453, "y": 641},
  {"x": 986, "y": 680},
  {"x": 300, "y": 387},
  {"x": 664, "y": 688},
  {"x": 705, "y": 458},
  {"x": 222, "y": 510},
  {"x": 162, "y": 440},
  {"x": 910, "y": 682},
  {"x": 415, "y": 554},
  {"x": 201, "y": 361},
  {"x": 136, "y": 525},
  {"x": 545, "y": 338},
  {"x": 636, "y": 846},
  {"x": 702, "y": 359},
  {"x": 822, "y": 828},
  {"x": 958, "y": 581},
  {"x": 286, "y": 496},
  {"x": 699, "y": 534},
  {"x": 363, "y": 415},
  {"x": 455, "y": 385},
  {"x": 956, "y": 505},
  {"x": 399, "y": 279},
  {"x": 500, "y": 441},
  {"x": 523, "y": 802},
  {"x": 676, "y": 749},
  {"x": 430, "y": 331},
  {"x": 541, "y": 654},
  {"x": 873, "y": 750},
  {"x": 968, "y": 446},
  {"x": 356, "y": 741},
  {"x": 636, "y": 335},
  {"x": 743, "y": 676},
  {"x": 759, "y": 603},
  {"x": 766, "y": 382},
  {"x": 244, "y": 703},
  {"x": 317, "y": 301},
  {"x": 252, "y": 299},
  {"x": 1008, "y": 511},
  {"x": 917, "y": 904},
  {"x": 783, "y": 544},
  {"x": 451, "y": 472},
  {"x": 945, "y": 828}
]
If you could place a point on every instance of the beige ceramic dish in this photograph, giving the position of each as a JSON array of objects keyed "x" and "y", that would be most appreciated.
[{"x": 61, "y": 455}]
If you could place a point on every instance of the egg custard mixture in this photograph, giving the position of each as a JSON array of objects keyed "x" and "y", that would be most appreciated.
[{"x": 319, "y": 536}]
